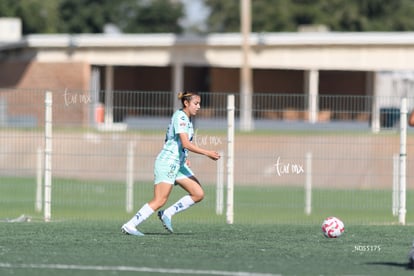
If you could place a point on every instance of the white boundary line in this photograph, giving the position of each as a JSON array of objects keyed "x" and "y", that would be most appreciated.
[{"x": 133, "y": 269}]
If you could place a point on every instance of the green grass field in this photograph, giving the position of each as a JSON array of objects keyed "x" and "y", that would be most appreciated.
[
  {"x": 271, "y": 234},
  {"x": 105, "y": 200},
  {"x": 94, "y": 248}
]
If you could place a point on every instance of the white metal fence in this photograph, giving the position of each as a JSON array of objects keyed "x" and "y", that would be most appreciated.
[{"x": 288, "y": 170}]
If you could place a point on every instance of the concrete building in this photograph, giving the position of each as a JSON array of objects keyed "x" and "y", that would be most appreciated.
[{"x": 314, "y": 64}]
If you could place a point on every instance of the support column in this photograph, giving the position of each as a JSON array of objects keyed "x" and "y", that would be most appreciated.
[
  {"x": 312, "y": 88},
  {"x": 109, "y": 94},
  {"x": 94, "y": 93},
  {"x": 3, "y": 112},
  {"x": 371, "y": 88},
  {"x": 246, "y": 86},
  {"x": 375, "y": 111},
  {"x": 178, "y": 83}
]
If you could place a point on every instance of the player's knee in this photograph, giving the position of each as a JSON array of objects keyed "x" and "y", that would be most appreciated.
[
  {"x": 198, "y": 196},
  {"x": 157, "y": 203}
]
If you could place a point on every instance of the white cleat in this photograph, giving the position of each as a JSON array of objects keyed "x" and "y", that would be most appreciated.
[{"x": 130, "y": 230}]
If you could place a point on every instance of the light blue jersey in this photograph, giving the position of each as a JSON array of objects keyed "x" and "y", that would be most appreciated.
[
  {"x": 170, "y": 163},
  {"x": 173, "y": 149}
]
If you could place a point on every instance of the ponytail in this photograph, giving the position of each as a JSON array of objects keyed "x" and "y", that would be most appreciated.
[{"x": 186, "y": 96}]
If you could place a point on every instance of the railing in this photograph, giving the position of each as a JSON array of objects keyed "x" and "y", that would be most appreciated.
[{"x": 350, "y": 151}]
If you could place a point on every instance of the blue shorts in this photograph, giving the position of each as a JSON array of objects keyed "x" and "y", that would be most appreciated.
[{"x": 169, "y": 171}]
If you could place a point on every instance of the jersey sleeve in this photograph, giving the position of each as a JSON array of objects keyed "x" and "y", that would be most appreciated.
[{"x": 181, "y": 124}]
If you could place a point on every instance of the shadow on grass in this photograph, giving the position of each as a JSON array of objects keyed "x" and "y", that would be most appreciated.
[
  {"x": 167, "y": 234},
  {"x": 394, "y": 264}
]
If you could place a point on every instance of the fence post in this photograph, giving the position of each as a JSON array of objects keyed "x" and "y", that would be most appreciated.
[
  {"x": 308, "y": 184},
  {"x": 130, "y": 177},
  {"x": 230, "y": 159},
  {"x": 220, "y": 186},
  {"x": 39, "y": 178},
  {"x": 395, "y": 183},
  {"x": 48, "y": 157},
  {"x": 403, "y": 158}
]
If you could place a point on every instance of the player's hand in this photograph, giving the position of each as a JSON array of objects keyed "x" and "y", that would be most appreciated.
[{"x": 214, "y": 155}]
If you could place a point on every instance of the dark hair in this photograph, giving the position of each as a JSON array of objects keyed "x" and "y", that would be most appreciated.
[{"x": 186, "y": 96}]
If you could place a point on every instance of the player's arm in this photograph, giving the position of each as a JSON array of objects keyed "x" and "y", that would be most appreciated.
[
  {"x": 411, "y": 119},
  {"x": 194, "y": 148}
]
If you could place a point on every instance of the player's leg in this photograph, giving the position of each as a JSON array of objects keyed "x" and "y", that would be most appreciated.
[
  {"x": 186, "y": 179},
  {"x": 193, "y": 187},
  {"x": 195, "y": 194},
  {"x": 165, "y": 174},
  {"x": 161, "y": 192}
]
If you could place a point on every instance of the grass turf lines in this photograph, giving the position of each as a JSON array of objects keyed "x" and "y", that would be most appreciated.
[{"x": 96, "y": 248}]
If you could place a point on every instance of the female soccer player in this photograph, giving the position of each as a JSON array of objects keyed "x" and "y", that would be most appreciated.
[{"x": 171, "y": 167}]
